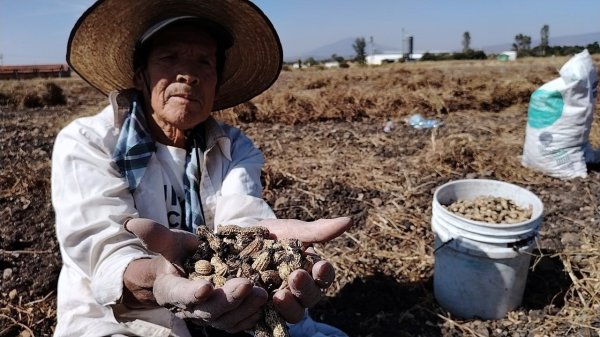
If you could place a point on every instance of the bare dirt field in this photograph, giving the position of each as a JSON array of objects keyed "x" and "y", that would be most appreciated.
[{"x": 327, "y": 156}]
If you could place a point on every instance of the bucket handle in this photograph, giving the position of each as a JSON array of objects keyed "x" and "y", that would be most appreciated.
[
  {"x": 516, "y": 246},
  {"x": 442, "y": 245}
]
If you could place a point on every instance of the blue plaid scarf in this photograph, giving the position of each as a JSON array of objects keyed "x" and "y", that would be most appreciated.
[{"x": 135, "y": 147}]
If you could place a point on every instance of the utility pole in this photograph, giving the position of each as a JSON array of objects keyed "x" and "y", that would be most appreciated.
[
  {"x": 1, "y": 59},
  {"x": 403, "y": 41},
  {"x": 403, "y": 44}
]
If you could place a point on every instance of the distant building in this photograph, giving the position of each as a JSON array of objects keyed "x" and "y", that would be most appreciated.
[
  {"x": 392, "y": 57},
  {"x": 21, "y": 72},
  {"x": 418, "y": 56},
  {"x": 379, "y": 59},
  {"x": 507, "y": 56},
  {"x": 331, "y": 64}
]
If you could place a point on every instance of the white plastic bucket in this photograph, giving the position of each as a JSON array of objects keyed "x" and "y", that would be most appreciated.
[{"x": 481, "y": 268}]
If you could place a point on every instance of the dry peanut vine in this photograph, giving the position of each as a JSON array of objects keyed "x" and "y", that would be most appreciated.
[{"x": 248, "y": 252}]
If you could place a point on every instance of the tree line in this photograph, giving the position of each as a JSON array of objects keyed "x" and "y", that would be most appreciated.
[{"x": 522, "y": 46}]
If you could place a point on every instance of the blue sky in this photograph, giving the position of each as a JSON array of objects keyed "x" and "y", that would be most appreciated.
[{"x": 36, "y": 31}]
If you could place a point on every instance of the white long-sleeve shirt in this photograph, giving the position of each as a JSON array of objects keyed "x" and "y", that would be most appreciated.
[{"x": 91, "y": 201}]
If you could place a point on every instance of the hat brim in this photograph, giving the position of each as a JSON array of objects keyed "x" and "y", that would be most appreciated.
[{"x": 101, "y": 44}]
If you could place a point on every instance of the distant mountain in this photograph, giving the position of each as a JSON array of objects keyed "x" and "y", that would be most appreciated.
[
  {"x": 340, "y": 48},
  {"x": 568, "y": 40}
]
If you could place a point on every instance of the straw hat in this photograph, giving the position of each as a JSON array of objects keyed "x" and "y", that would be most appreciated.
[{"x": 101, "y": 45}]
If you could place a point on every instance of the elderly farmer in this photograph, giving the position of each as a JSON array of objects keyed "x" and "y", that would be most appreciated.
[{"x": 132, "y": 184}]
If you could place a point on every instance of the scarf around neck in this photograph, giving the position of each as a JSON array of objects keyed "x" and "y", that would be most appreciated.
[{"x": 135, "y": 147}]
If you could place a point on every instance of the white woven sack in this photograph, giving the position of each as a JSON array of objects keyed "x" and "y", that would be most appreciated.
[{"x": 559, "y": 121}]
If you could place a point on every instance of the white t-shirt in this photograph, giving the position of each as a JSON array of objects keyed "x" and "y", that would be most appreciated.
[{"x": 172, "y": 160}]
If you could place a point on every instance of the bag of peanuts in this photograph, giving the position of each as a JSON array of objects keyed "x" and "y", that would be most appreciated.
[{"x": 559, "y": 121}]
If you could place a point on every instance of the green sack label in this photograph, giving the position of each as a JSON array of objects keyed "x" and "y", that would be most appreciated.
[{"x": 545, "y": 108}]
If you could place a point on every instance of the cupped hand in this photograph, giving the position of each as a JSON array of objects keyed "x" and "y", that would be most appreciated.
[
  {"x": 161, "y": 281},
  {"x": 305, "y": 289}
]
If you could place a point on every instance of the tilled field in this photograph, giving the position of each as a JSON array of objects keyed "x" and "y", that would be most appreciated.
[{"x": 326, "y": 156}]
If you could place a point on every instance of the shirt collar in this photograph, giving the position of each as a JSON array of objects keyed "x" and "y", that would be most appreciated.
[{"x": 215, "y": 135}]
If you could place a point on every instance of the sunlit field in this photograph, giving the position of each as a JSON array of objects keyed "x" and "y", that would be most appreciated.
[{"x": 321, "y": 132}]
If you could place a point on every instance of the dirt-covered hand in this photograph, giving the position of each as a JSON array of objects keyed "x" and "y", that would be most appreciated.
[
  {"x": 305, "y": 289},
  {"x": 161, "y": 281}
]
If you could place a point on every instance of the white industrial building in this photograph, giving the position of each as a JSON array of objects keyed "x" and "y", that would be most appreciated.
[
  {"x": 392, "y": 57},
  {"x": 331, "y": 64},
  {"x": 379, "y": 59}
]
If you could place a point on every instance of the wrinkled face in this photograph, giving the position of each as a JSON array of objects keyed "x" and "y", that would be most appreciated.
[{"x": 180, "y": 77}]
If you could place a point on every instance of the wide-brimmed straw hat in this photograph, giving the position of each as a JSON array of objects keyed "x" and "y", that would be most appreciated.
[{"x": 102, "y": 42}]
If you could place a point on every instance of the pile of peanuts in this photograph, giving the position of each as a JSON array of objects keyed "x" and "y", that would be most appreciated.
[
  {"x": 248, "y": 252},
  {"x": 491, "y": 209}
]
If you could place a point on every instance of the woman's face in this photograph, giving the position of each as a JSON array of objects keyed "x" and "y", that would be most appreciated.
[{"x": 180, "y": 77}]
